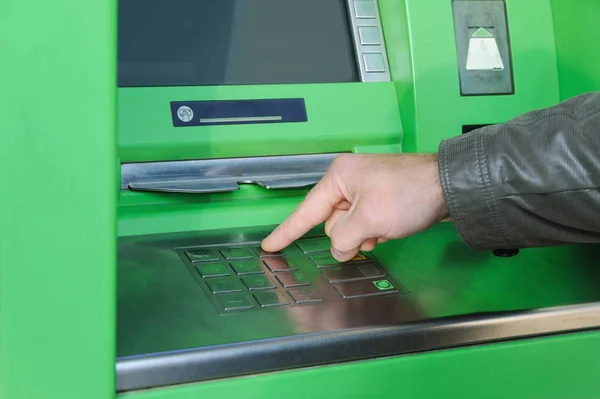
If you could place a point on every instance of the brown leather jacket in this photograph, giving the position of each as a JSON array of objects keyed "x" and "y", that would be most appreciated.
[{"x": 533, "y": 181}]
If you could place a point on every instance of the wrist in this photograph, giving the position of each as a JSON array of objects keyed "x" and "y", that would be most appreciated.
[{"x": 438, "y": 197}]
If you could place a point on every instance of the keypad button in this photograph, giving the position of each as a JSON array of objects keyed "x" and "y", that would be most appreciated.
[
  {"x": 251, "y": 266},
  {"x": 324, "y": 260},
  {"x": 305, "y": 295},
  {"x": 235, "y": 302},
  {"x": 202, "y": 255},
  {"x": 364, "y": 288},
  {"x": 263, "y": 254},
  {"x": 359, "y": 257},
  {"x": 349, "y": 273},
  {"x": 236, "y": 253},
  {"x": 292, "y": 279},
  {"x": 371, "y": 271},
  {"x": 280, "y": 264},
  {"x": 267, "y": 299},
  {"x": 311, "y": 245},
  {"x": 222, "y": 285},
  {"x": 258, "y": 283},
  {"x": 327, "y": 260},
  {"x": 212, "y": 270}
]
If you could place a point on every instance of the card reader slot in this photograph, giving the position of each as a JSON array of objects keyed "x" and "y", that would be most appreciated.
[{"x": 225, "y": 175}]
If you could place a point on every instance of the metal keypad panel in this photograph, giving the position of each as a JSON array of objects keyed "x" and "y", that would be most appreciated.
[{"x": 244, "y": 277}]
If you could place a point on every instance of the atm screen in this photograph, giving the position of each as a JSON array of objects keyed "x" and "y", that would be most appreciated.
[{"x": 234, "y": 42}]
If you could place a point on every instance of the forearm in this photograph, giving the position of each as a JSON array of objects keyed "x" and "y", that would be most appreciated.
[{"x": 533, "y": 181}]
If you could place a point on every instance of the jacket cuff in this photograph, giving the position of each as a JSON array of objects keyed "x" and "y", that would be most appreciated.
[{"x": 469, "y": 191}]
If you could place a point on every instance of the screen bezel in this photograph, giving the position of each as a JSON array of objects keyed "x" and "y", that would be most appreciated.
[{"x": 235, "y": 42}]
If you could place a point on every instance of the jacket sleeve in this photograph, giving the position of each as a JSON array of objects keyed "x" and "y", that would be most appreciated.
[{"x": 533, "y": 181}]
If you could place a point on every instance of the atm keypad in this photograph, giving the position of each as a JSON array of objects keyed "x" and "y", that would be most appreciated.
[{"x": 244, "y": 277}]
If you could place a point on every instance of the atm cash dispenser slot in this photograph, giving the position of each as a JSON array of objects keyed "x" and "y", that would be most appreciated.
[{"x": 225, "y": 175}]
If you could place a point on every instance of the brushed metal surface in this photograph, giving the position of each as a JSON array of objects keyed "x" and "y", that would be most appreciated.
[{"x": 171, "y": 329}]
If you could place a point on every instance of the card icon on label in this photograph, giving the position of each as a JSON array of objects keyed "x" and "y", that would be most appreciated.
[{"x": 484, "y": 54}]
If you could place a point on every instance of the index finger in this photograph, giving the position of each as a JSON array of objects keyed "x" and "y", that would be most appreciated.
[{"x": 314, "y": 210}]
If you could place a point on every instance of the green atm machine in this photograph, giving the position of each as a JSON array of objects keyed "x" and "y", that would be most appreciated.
[{"x": 168, "y": 138}]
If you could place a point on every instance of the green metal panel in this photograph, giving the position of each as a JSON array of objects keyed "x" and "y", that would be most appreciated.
[
  {"x": 162, "y": 213},
  {"x": 461, "y": 280},
  {"x": 577, "y": 38},
  {"x": 340, "y": 117},
  {"x": 396, "y": 29},
  {"x": 551, "y": 368},
  {"x": 58, "y": 199}
]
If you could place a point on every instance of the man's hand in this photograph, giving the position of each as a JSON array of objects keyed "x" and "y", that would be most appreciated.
[{"x": 366, "y": 199}]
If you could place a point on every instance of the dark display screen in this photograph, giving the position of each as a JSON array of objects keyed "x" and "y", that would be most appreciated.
[{"x": 231, "y": 42}]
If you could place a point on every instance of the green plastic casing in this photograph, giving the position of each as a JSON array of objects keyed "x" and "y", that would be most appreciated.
[{"x": 65, "y": 128}]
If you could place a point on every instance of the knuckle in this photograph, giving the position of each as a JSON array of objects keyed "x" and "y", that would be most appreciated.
[
  {"x": 339, "y": 243},
  {"x": 344, "y": 161}
]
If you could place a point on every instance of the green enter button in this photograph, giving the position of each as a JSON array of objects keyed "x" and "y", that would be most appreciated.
[{"x": 383, "y": 285}]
